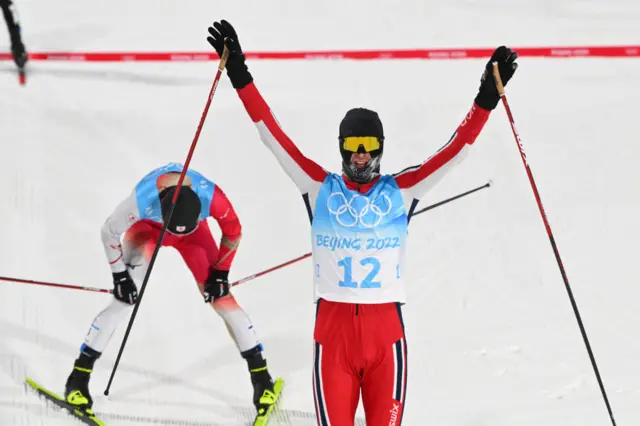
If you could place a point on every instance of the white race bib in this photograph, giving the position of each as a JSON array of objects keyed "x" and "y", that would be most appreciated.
[{"x": 359, "y": 242}]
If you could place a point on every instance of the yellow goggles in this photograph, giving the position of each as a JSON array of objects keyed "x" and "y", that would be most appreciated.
[{"x": 369, "y": 143}]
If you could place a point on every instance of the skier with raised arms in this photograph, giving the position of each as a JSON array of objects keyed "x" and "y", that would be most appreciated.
[{"x": 359, "y": 222}]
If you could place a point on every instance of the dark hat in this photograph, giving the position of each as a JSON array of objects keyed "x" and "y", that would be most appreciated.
[
  {"x": 361, "y": 122},
  {"x": 186, "y": 214}
]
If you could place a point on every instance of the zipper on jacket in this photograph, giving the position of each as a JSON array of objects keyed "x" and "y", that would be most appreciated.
[{"x": 356, "y": 309}]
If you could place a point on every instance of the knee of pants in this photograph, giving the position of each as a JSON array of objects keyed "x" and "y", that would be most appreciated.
[
  {"x": 105, "y": 324},
  {"x": 138, "y": 244},
  {"x": 137, "y": 257},
  {"x": 386, "y": 415},
  {"x": 238, "y": 323},
  {"x": 384, "y": 387}
]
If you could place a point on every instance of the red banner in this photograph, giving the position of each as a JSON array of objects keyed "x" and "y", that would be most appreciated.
[{"x": 545, "y": 52}]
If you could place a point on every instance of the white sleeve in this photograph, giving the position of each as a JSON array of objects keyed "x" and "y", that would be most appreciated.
[{"x": 125, "y": 215}]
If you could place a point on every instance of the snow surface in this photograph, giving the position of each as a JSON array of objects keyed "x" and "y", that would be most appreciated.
[{"x": 492, "y": 337}]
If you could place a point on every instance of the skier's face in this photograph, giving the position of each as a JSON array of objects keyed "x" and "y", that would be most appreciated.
[{"x": 360, "y": 160}]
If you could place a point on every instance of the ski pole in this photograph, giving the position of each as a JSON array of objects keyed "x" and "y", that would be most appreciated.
[
  {"x": 44, "y": 283},
  {"x": 448, "y": 200},
  {"x": 500, "y": 87},
  {"x": 221, "y": 66}
]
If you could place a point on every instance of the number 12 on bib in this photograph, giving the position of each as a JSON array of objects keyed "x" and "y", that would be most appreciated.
[{"x": 359, "y": 242}]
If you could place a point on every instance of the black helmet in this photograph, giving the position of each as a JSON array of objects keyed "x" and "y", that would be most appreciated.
[
  {"x": 361, "y": 131},
  {"x": 186, "y": 214}
]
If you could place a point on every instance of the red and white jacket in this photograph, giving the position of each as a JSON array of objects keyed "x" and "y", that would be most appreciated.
[
  {"x": 354, "y": 261},
  {"x": 127, "y": 214},
  {"x": 414, "y": 181}
]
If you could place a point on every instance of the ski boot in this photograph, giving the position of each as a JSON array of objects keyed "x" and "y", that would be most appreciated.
[
  {"x": 264, "y": 395},
  {"x": 76, "y": 390}
]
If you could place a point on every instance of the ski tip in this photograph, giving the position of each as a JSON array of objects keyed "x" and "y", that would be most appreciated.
[
  {"x": 278, "y": 385},
  {"x": 22, "y": 78},
  {"x": 30, "y": 384}
]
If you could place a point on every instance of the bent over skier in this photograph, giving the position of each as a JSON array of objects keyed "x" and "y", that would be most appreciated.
[
  {"x": 130, "y": 235},
  {"x": 359, "y": 226}
]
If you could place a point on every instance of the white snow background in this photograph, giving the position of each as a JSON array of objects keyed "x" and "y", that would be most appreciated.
[{"x": 493, "y": 340}]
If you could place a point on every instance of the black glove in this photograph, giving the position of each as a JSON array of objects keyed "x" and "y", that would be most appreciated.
[
  {"x": 236, "y": 68},
  {"x": 124, "y": 289},
  {"x": 216, "y": 286},
  {"x": 488, "y": 96}
]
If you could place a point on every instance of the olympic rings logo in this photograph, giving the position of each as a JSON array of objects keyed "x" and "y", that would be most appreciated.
[{"x": 359, "y": 210}]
